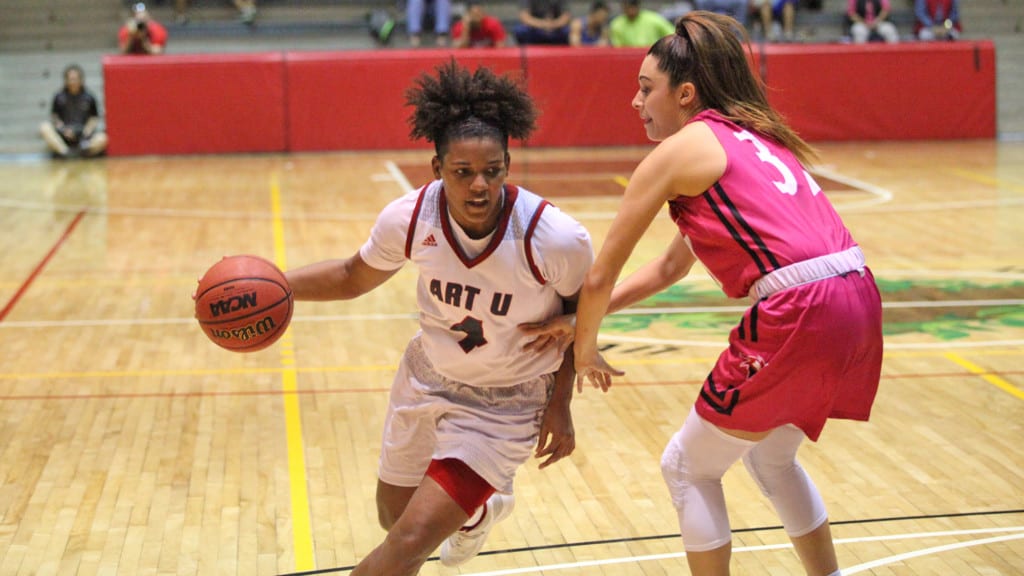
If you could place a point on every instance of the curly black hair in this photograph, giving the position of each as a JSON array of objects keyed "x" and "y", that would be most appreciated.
[{"x": 460, "y": 104}]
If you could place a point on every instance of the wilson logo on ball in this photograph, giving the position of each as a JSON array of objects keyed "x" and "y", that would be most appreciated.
[
  {"x": 233, "y": 304},
  {"x": 247, "y": 332}
]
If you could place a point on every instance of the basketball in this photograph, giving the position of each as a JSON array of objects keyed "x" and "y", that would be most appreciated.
[{"x": 243, "y": 303}]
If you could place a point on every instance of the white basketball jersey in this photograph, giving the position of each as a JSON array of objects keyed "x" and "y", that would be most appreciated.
[{"x": 470, "y": 307}]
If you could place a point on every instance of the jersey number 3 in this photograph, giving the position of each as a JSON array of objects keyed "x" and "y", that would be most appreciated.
[{"x": 788, "y": 184}]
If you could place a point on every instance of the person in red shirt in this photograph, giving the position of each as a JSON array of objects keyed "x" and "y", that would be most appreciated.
[
  {"x": 141, "y": 34},
  {"x": 483, "y": 31}
]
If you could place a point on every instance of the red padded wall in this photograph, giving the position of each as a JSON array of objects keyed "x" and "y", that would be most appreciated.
[
  {"x": 921, "y": 90},
  {"x": 356, "y": 100},
  {"x": 194, "y": 104},
  {"x": 584, "y": 96}
]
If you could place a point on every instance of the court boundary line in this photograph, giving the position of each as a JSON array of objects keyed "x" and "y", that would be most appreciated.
[{"x": 751, "y": 530}]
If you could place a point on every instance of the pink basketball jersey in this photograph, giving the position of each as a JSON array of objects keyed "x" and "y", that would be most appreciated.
[{"x": 765, "y": 212}]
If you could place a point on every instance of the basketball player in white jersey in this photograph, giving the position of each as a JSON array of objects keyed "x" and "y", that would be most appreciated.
[{"x": 475, "y": 393}]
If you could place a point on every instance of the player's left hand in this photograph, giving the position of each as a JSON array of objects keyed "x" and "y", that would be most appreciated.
[
  {"x": 595, "y": 370},
  {"x": 558, "y": 331},
  {"x": 557, "y": 437}
]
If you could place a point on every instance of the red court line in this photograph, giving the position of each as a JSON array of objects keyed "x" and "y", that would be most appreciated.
[{"x": 42, "y": 264}]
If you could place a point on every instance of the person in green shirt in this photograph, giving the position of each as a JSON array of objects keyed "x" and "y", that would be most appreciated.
[{"x": 637, "y": 27}]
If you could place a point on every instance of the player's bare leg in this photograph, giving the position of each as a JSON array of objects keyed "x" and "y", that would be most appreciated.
[
  {"x": 429, "y": 517},
  {"x": 817, "y": 552},
  {"x": 391, "y": 502},
  {"x": 711, "y": 562}
]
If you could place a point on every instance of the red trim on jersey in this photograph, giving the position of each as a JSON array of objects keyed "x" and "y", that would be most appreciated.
[
  {"x": 459, "y": 481},
  {"x": 511, "y": 193},
  {"x": 528, "y": 244},
  {"x": 412, "y": 222}
]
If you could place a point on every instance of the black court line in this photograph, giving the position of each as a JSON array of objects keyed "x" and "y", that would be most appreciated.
[{"x": 677, "y": 535}]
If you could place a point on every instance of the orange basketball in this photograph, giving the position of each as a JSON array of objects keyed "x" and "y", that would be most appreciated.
[{"x": 243, "y": 303}]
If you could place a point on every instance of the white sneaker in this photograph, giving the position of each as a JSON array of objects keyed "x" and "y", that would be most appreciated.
[{"x": 465, "y": 544}]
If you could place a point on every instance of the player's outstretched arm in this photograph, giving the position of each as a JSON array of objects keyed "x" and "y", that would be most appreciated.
[{"x": 336, "y": 279}]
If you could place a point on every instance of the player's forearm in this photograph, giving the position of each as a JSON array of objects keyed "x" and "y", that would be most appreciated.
[
  {"x": 670, "y": 267},
  {"x": 593, "y": 306},
  {"x": 565, "y": 377},
  {"x": 327, "y": 280}
]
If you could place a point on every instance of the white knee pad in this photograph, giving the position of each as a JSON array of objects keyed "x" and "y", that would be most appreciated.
[
  {"x": 773, "y": 465},
  {"x": 693, "y": 464}
]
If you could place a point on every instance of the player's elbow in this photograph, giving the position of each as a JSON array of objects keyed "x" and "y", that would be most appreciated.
[{"x": 599, "y": 279}]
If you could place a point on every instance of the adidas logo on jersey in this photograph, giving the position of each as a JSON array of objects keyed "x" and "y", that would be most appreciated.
[{"x": 429, "y": 241}]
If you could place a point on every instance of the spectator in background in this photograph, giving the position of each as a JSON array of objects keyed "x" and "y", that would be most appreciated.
[
  {"x": 638, "y": 27},
  {"x": 592, "y": 29},
  {"x": 937, "y": 19},
  {"x": 441, "y": 12},
  {"x": 74, "y": 125},
  {"x": 141, "y": 34},
  {"x": 543, "y": 22},
  {"x": 246, "y": 11},
  {"x": 181, "y": 12},
  {"x": 869, "y": 21},
  {"x": 769, "y": 12},
  {"x": 738, "y": 9},
  {"x": 477, "y": 29}
]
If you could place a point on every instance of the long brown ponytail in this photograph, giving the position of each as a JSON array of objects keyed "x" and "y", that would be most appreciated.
[{"x": 708, "y": 50}]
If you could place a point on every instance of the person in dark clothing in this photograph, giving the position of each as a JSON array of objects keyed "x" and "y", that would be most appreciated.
[
  {"x": 74, "y": 124},
  {"x": 543, "y": 22}
]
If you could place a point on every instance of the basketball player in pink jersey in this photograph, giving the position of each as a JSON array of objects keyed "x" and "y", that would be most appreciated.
[
  {"x": 810, "y": 346},
  {"x": 474, "y": 395}
]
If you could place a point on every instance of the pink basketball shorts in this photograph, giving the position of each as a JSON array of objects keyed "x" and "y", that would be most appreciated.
[{"x": 800, "y": 356}]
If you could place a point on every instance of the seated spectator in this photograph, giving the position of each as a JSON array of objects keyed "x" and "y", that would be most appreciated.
[
  {"x": 770, "y": 12},
  {"x": 74, "y": 125},
  {"x": 592, "y": 29},
  {"x": 869, "y": 21},
  {"x": 477, "y": 29},
  {"x": 937, "y": 19},
  {"x": 141, "y": 34},
  {"x": 436, "y": 12},
  {"x": 738, "y": 9},
  {"x": 181, "y": 12},
  {"x": 246, "y": 11},
  {"x": 638, "y": 27},
  {"x": 543, "y": 22}
]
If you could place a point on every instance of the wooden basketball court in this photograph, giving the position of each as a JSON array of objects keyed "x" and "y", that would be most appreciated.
[{"x": 129, "y": 444}]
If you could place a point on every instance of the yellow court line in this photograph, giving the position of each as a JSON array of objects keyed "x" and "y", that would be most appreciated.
[
  {"x": 621, "y": 181},
  {"x": 302, "y": 532},
  {"x": 985, "y": 375},
  {"x": 982, "y": 178}
]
